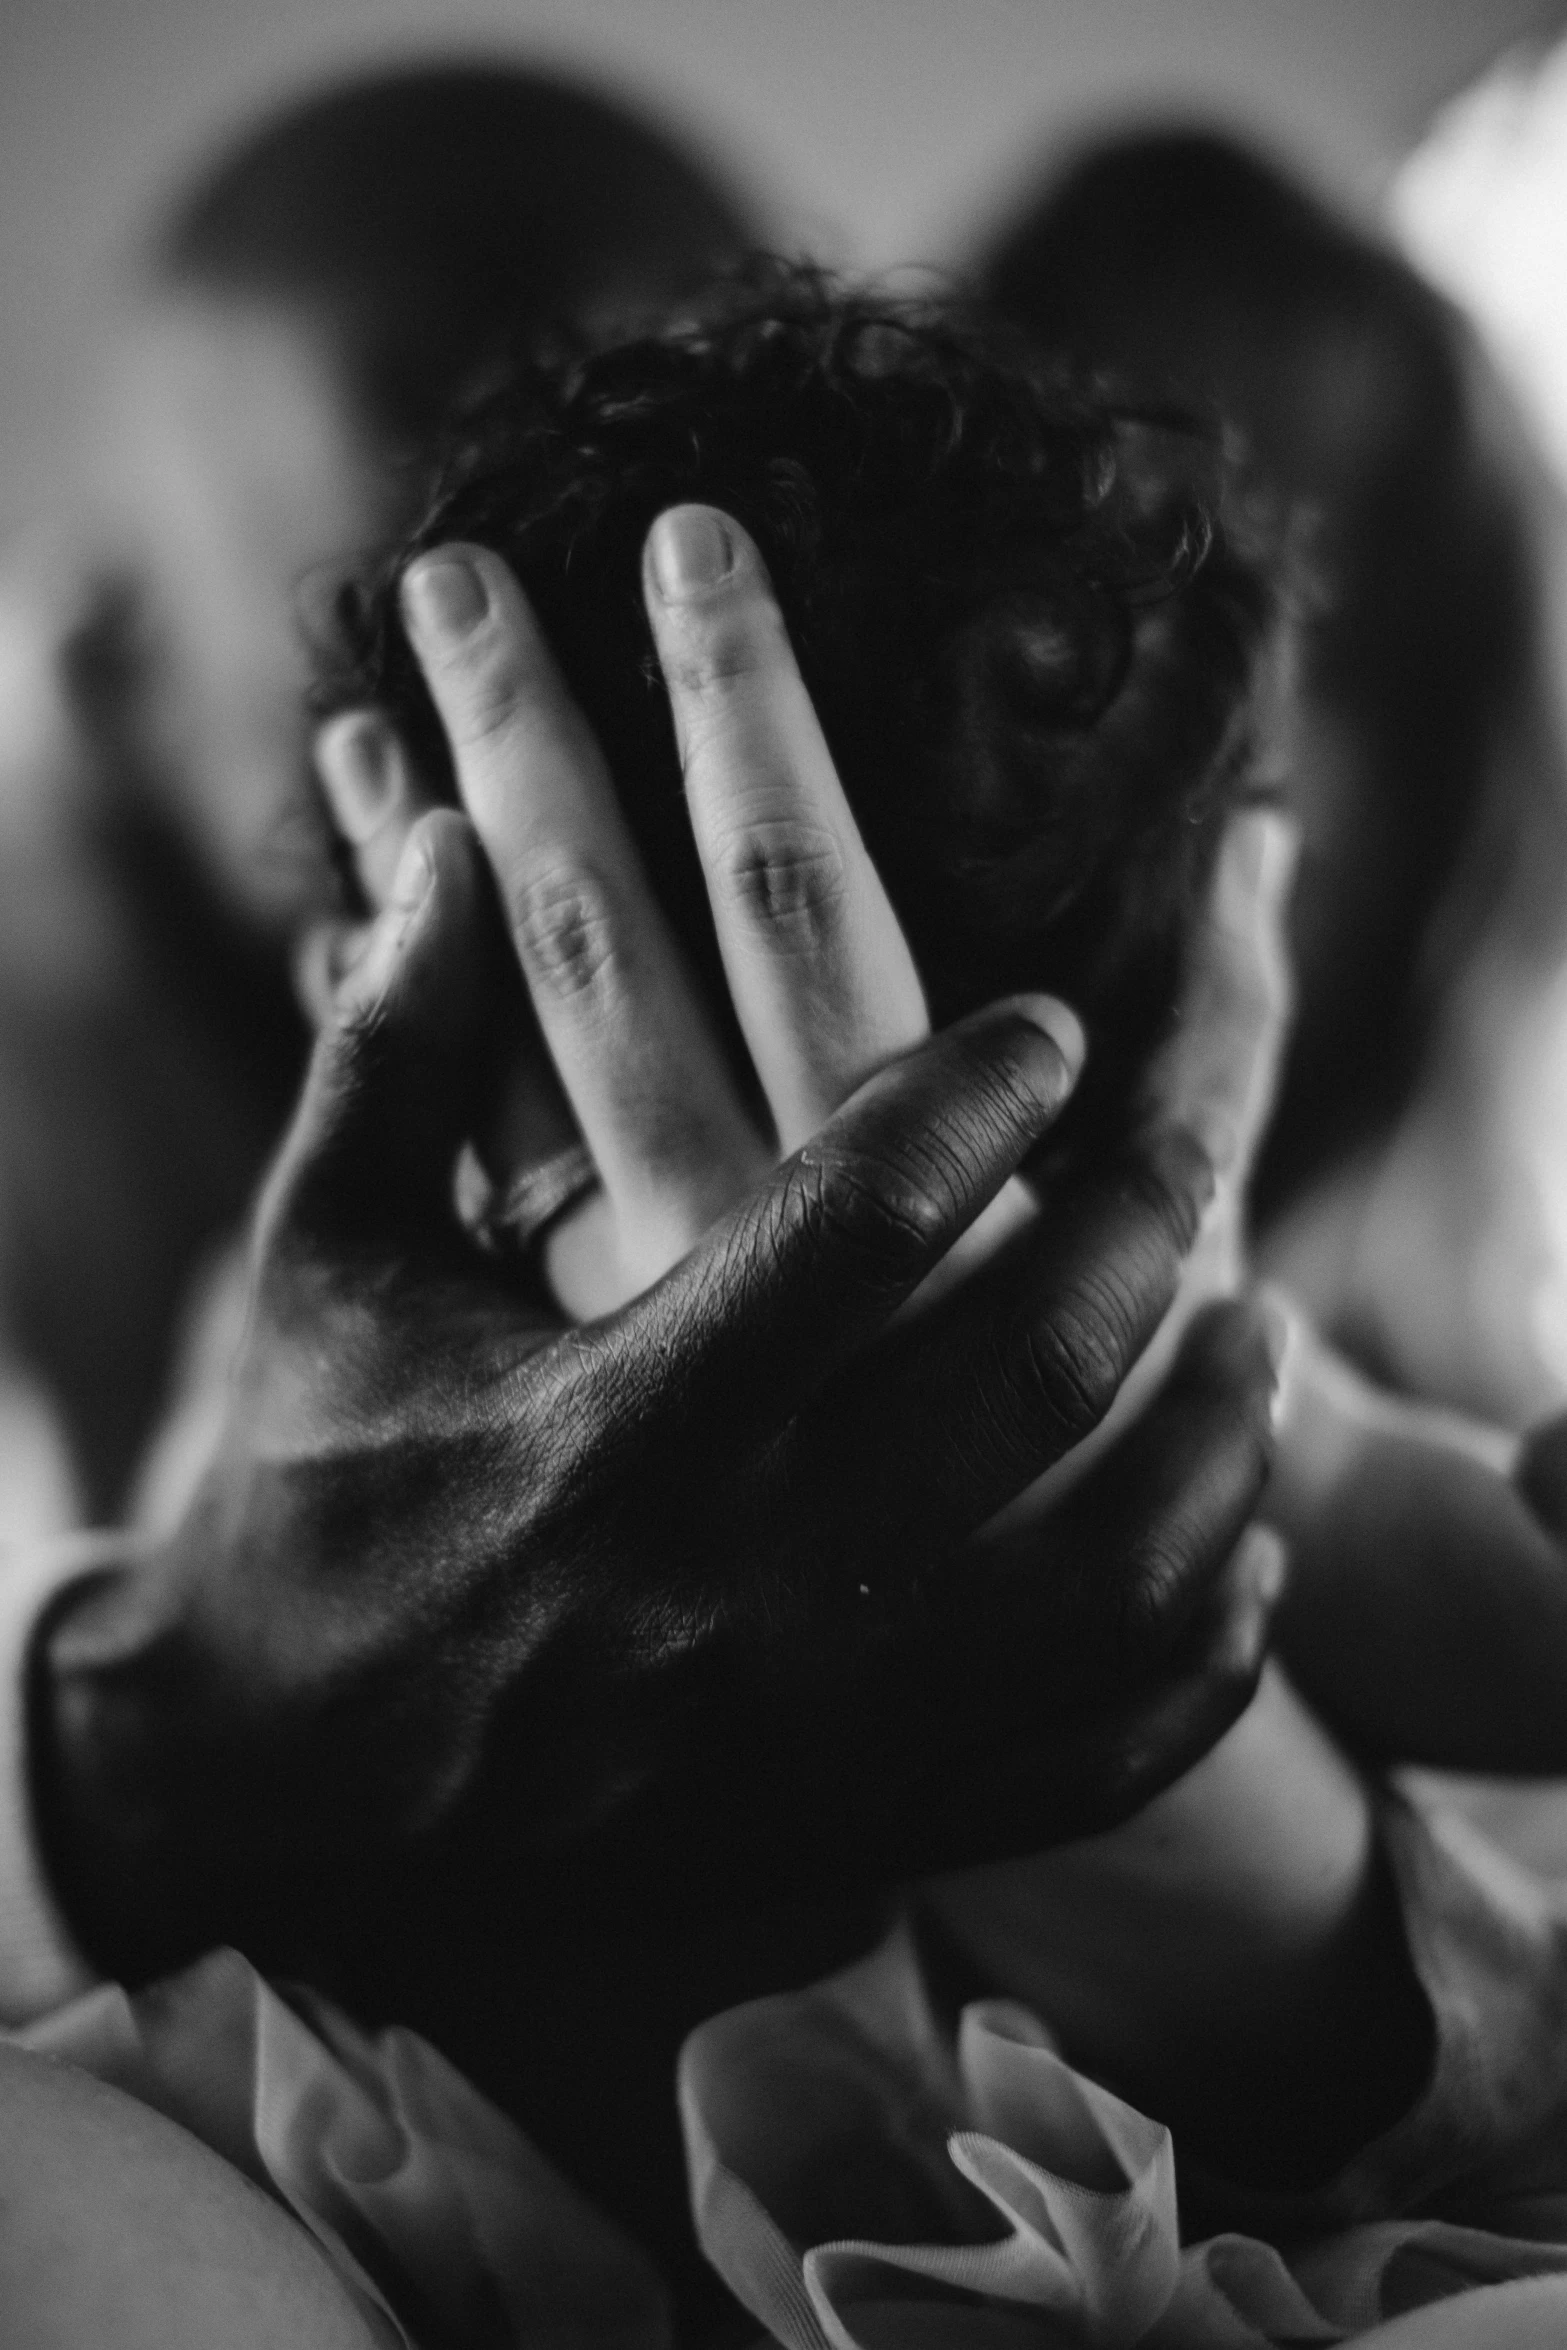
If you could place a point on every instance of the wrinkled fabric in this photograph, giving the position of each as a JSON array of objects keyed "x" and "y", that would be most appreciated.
[
  {"x": 871, "y": 2172},
  {"x": 450, "y": 2230},
  {"x": 866, "y": 2174}
]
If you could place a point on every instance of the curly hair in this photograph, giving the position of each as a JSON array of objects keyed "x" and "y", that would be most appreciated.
[
  {"x": 1189, "y": 262},
  {"x": 1035, "y": 630}
]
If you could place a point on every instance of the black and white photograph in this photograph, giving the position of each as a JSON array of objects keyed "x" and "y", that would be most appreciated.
[{"x": 783, "y": 1174}]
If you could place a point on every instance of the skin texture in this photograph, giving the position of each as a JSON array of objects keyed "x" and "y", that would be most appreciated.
[
  {"x": 822, "y": 1467},
  {"x": 821, "y": 980},
  {"x": 708, "y": 1655},
  {"x": 1299, "y": 1899},
  {"x": 90, "y": 2179},
  {"x": 525, "y": 762}
]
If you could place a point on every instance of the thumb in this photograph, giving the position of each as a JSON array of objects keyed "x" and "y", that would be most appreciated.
[{"x": 397, "y": 1075}]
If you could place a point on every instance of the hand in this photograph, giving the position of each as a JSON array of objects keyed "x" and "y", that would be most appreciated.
[
  {"x": 683, "y": 1598},
  {"x": 1216, "y": 1074},
  {"x": 821, "y": 979}
]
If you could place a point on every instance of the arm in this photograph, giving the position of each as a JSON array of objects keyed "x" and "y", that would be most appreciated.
[
  {"x": 258, "y": 1734},
  {"x": 1232, "y": 1959},
  {"x": 129, "y": 1674},
  {"x": 1427, "y": 1614}
]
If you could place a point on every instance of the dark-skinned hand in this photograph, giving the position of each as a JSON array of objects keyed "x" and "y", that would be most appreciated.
[
  {"x": 695, "y": 1583},
  {"x": 529, "y": 1683}
]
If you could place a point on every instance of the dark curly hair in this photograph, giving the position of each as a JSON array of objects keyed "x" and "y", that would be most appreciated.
[
  {"x": 1035, "y": 631},
  {"x": 1188, "y": 263}
]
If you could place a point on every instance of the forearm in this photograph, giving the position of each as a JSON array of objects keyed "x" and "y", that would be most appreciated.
[{"x": 1231, "y": 1959}]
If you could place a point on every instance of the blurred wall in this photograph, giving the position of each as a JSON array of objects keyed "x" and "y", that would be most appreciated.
[{"x": 878, "y": 130}]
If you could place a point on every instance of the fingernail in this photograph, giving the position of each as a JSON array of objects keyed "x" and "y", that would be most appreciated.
[
  {"x": 1061, "y": 1024},
  {"x": 356, "y": 760},
  {"x": 1245, "y": 849},
  {"x": 1259, "y": 857},
  {"x": 690, "y": 550},
  {"x": 1278, "y": 1336},
  {"x": 444, "y": 595},
  {"x": 1278, "y": 1326},
  {"x": 1269, "y": 1566},
  {"x": 1280, "y": 856},
  {"x": 415, "y": 873}
]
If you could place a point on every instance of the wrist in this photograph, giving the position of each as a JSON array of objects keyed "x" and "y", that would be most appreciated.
[
  {"x": 1216, "y": 1956},
  {"x": 142, "y": 1769}
]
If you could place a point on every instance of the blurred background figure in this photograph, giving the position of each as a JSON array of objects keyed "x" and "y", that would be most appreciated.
[
  {"x": 309, "y": 307},
  {"x": 1399, "y": 1194},
  {"x": 1481, "y": 207}
]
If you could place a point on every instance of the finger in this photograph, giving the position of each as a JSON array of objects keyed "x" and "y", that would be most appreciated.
[
  {"x": 319, "y": 961},
  {"x": 1216, "y": 1076},
  {"x": 1084, "y": 1672},
  {"x": 634, "y": 1050},
  {"x": 827, "y": 1250},
  {"x": 368, "y": 785},
  {"x": 1145, "y": 1536},
  {"x": 396, "y": 1075},
  {"x": 373, "y": 794},
  {"x": 941, "y": 1754},
  {"x": 1202, "y": 1690},
  {"x": 1036, "y": 1787},
  {"x": 819, "y": 971},
  {"x": 965, "y": 1409},
  {"x": 375, "y": 799}
]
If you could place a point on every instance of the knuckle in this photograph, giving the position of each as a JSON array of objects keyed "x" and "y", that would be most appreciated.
[
  {"x": 1145, "y": 1598},
  {"x": 871, "y": 1206},
  {"x": 1073, "y": 1363},
  {"x": 579, "y": 1409},
  {"x": 1225, "y": 1362},
  {"x": 786, "y": 876},
  {"x": 1166, "y": 1186},
  {"x": 563, "y": 922},
  {"x": 727, "y": 645},
  {"x": 486, "y": 688}
]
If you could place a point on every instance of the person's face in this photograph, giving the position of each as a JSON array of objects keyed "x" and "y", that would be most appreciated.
[{"x": 235, "y": 472}]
